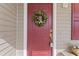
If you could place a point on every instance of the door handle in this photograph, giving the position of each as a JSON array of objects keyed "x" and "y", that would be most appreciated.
[
  {"x": 51, "y": 44},
  {"x": 51, "y": 39}
]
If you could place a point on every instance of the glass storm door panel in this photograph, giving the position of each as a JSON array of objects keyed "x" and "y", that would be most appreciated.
[
  {"x": 75, "y": 21},
  {"x": 39, "y": 36}
]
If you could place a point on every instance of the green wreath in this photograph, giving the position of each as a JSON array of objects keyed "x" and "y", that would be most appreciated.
[{"x": 40, "y": 18}]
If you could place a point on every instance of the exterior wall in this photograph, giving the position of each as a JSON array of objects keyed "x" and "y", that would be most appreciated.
[
  {"x": 11, "y": 29},
  {"x": 63, "y": 22},
  {"x": 8, "y": 29},
  {"x": 20, "y": 26}
]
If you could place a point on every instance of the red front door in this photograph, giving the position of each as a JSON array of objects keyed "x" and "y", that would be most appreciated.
[
  {"x": 39, "y": 37},
  {"x": 75, "y": 21}
]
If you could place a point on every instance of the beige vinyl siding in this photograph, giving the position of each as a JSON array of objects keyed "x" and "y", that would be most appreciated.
[
  {"x": 20, "y": 26},
  {"x": 8, "y": 29},
  {"x": 63, "y": 31},
  {"x": 11, "y": 29}
]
